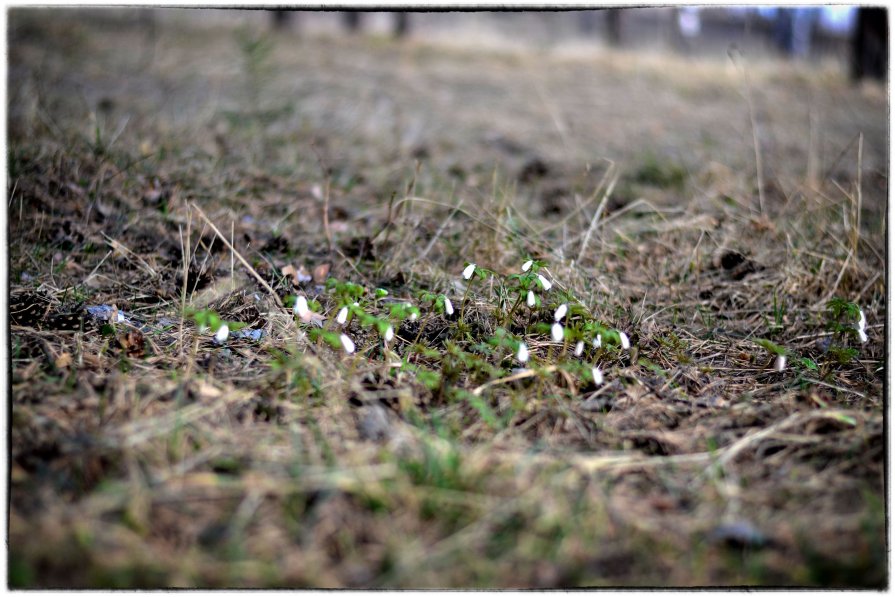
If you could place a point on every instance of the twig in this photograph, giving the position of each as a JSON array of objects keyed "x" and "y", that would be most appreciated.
[
  {"x": 238, "y": 256},
  {"x": 516, "y": 376},
  {"x": 326, "y": 230},
  {"x": 759, "y": 172},
  {"x": 439, "y": 232},
  {"x": 595, "y": 220}
]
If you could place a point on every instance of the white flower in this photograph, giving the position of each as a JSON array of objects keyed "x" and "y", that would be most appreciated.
[
  {"x": 448, "y": 306},
  {"x": 342, "y": 317},
  {"x": 413, "y": 316},
  {"x": 560, "y": 312},
  {"x": 545, "y": 282},
  {"x": 780, "y": 363},
  {"x": 347, "y": 344},
  {"x": 556, "y": 332},
  {"x": 861, "y": 326},
  {"x": 527, "y": 265},
  {"x": 389, "y": 334},
  {"x": 356, "y": 304},
  {"x": 301, "y": 307},
  {"x": 530, "y": 301},
  {"x": 467, "y": 273},
  {"x": 579, "y": 348},
  {"x": 598, "y": 375},
  {"x": 222, "y": 333},
  {"x": 598, "y": 341},
  {"x": 623, "y": 337},
  {"x": 522, "y": 355}
]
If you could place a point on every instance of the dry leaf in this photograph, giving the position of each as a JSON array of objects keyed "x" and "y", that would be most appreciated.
[
  {"x": 302, "y": 275},
  {"x": 321, "y": 273},
  {"x": 133, "y": 343},
  {"x": 63, "y": 361},
  {"x": 311, "y": 317},
  {"x": 299, "y": 276}
]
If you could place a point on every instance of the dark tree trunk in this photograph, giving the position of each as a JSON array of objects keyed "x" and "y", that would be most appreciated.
[
  {"x": 402, "y": 24},
  {"x": 281, "y": 19},
  {"x": 870, "y": 44},
  {"x": 351, "y": 21},
  {"x": 614, "y": 26}
]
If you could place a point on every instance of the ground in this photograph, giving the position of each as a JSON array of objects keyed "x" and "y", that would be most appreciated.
[{"x": 726, "y": 216}]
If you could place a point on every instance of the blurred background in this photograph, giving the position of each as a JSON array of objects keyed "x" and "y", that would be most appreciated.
[{"x": 854, "y": 37}]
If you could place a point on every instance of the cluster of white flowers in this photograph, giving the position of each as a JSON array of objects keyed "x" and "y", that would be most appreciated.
[{"x": 557, "y": 332}]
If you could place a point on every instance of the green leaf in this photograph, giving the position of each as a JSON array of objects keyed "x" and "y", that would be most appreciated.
[
  {"x": 844, "y": 418},
  {"x": 771, "y": 347},
  {"x": 808, "y": 364}
]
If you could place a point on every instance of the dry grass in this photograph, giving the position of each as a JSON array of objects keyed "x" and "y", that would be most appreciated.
[{"x": 172, "y": 174}]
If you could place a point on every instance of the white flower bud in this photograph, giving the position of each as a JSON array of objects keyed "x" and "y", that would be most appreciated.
[
  {"x": 222, "y": 333},
  {"x": 560, "y": 312},
  {"x": 579, "y": 348},
  {"x": 862, "y": 326},
  {"x": 389, "y": 334},
  {"x": 623, "y": 337},
  {"x": 597, "y": 374},
  {"x": 545, "y": 282},
  {"x": 598, "y": 341},
  {"x": 522, "y": 355},
  {"x": 301, "y": 307},
  {"x": 527, "y": 265},
  {"x": 530, "y": 301},
  {"x": 342, "y": 317},
  {"x": 347, "y": 344},
  {"x": 467, "y": 273},
  {"x": 556, "y": 332},
  {"x": 780, "y": 363},
  {"x": 448, "y": 306}
]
